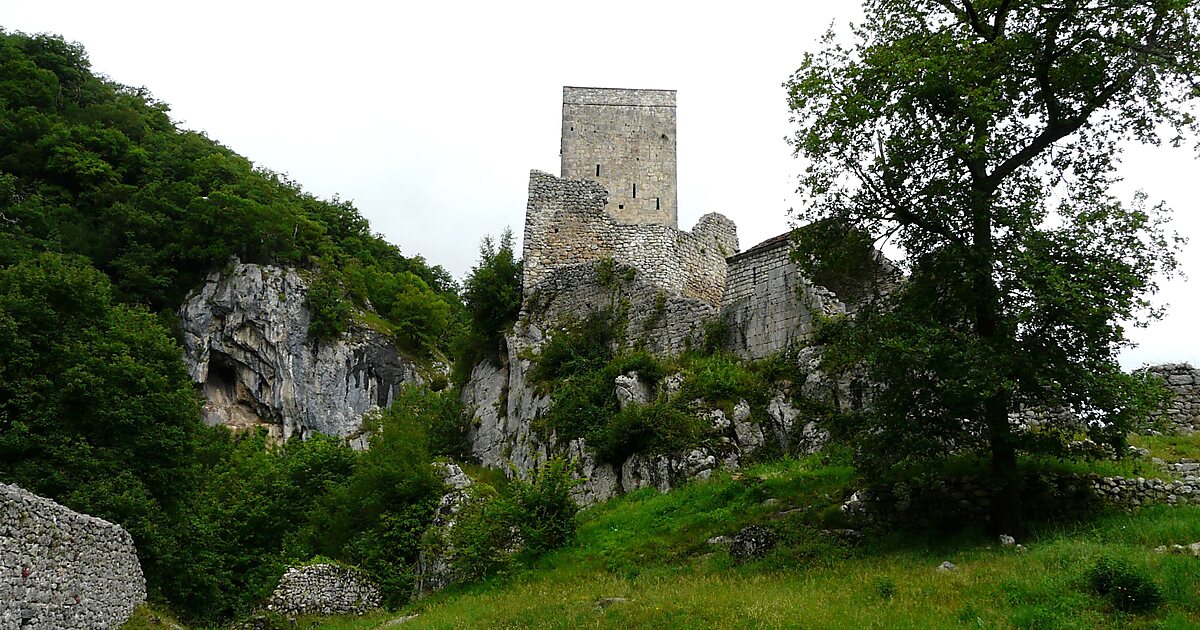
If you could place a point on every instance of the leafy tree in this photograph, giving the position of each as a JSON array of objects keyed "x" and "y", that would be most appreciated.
[
  {"x": 96, "y": 409},
  {"x": 982, "y": 138},
  {"x": 492, "y": 296},
  {"x": 94, "y": 168}
]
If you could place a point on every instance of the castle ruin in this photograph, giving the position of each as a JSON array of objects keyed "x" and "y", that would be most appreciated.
[{"x": 616, "y": 198}]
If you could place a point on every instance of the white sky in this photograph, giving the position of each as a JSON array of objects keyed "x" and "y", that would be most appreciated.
[{"x": 429, "y": 115}]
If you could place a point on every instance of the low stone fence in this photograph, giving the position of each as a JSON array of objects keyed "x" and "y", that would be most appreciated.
[
  {"x": 969, "y": 498},
  {"x": 61, "y": 570},
  {"x": 324, "y": 589}
]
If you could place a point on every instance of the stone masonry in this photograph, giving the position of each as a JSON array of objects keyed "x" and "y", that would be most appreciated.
[
  {"x": 62, "y": 570},
  {"x": 1182, "y": 413},
  {"x": 768, "y": 304},
  {"x": 324, "y": 589},
  {"x": 625, "y": 141},
  {"x": 566, "y": 225}
]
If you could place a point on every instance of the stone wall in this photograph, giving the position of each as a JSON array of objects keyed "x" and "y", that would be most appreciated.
[
  {"x": 566, "y": 225},
  {"x": 324, "y": 589},
  {"x": 1182, "y": 413},
  {"x": 624, "y": 140},
  {"x": 969, "y": 498},
  {"x": 662, "y": 323},
  {"x": 768, "y": 304},
  {"x": 61, "y": 570}
]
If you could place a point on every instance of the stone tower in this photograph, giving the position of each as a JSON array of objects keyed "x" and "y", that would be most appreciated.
[{"x": 624, "y": 140}]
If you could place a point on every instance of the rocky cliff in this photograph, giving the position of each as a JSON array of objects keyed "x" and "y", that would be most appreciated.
[
  {"x": 246, "y": 346},
  {"x": 505, "y": 406}
]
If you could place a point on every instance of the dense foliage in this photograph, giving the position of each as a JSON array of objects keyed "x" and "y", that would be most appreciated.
[
  {"x": 109, "y": 215},
  {"x": 258, "y": 508},
  {"x": 492, "y": 296},
  {"x": 98, "y": 169},
  {"x": 497, "y": 531},
  {"x": 96, "y": 409},
  {"x": 982, "y": 139}
]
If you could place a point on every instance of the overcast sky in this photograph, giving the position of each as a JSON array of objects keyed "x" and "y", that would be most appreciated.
[{"x": 429, "y": 116}]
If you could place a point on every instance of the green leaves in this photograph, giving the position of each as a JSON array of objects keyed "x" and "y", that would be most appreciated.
[{"x": 981, "y": 140}]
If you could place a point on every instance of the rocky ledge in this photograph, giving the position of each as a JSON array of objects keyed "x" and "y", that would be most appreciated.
[{"x": 246, "y": 346}]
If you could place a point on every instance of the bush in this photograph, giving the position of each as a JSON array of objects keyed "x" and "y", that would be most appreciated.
[
  {"x": 492, "y": 530},
  {"x": 329, "y": 308},
  {"x": 544, "y": 510},
  {"x": 657, "y": 427},
  {"x": 492, "y": 296},
  {"x": 1125, "y": 587}
]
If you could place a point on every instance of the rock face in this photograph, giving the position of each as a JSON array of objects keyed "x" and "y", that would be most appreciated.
[
  {"x": 324, "y": 589},
  {"x": 246, "y": 346},
  {"x": 433, "y": 566},
  {"x": 62, "y": 570},
  {"x": 505, "y": 407}
]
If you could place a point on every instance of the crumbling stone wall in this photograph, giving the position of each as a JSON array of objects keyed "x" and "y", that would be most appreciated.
[
  {"x": 324, "y": 589},
  {"x": 664, "y": 324},
  {"x": 566, "y": 225},
  {"x": 1182, "y": 413},
  {"x": 624, "y": 140},
  {"x": 61, "y": 570},
  {"x": 768, "y": 304},
  {"x": 969, "y": 498}
]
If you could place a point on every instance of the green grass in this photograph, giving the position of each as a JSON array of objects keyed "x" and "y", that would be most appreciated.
[
  {"x": 1171, "y": 448},
  {"x": 992, "y": 588},
  {"x": 650, "y": 551}
]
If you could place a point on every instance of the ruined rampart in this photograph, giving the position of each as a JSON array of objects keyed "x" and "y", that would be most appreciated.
[
  {"x": 767, "y": 303},
  {"x": 566, "y": 225}
]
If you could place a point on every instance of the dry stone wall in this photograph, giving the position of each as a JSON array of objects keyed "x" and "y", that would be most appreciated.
[
  {"x": 324, "y": 589},
  {"x": 970, "y": 497},
  {"x": 566, "y": 225},
  {"x": 768, "y": 304},
  {"x": 62, "y": 570},
  {"x": 1182, "y": 413},
  {"x": 624, "y": 140}
]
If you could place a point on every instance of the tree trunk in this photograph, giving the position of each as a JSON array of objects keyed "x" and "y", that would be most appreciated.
[{"x": 1006, "y": 502}]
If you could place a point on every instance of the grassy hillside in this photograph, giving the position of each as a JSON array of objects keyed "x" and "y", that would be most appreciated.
[{"x": 644, "y": 560}]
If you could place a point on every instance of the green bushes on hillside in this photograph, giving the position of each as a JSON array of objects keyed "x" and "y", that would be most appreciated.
[{"x": 98, "y": 169}]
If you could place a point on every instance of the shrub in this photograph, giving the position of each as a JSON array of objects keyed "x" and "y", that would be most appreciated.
[
  {"x": 492, "y": 296},
  {"x": 543, "y": 509},
  {"x": 330, "y": 310},
  {"x": 1125, "y": 587},
  {"x": 535, "y": 517},
  {"x": 656, "y": 427}
]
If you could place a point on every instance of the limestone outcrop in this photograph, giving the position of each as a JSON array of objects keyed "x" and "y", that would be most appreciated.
[
  {"x": 505, "y": 407},
  {"x": 246, "y": 346},
  {"x": 62, "y": 570},
  {"x": 433, "y": 564}
]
